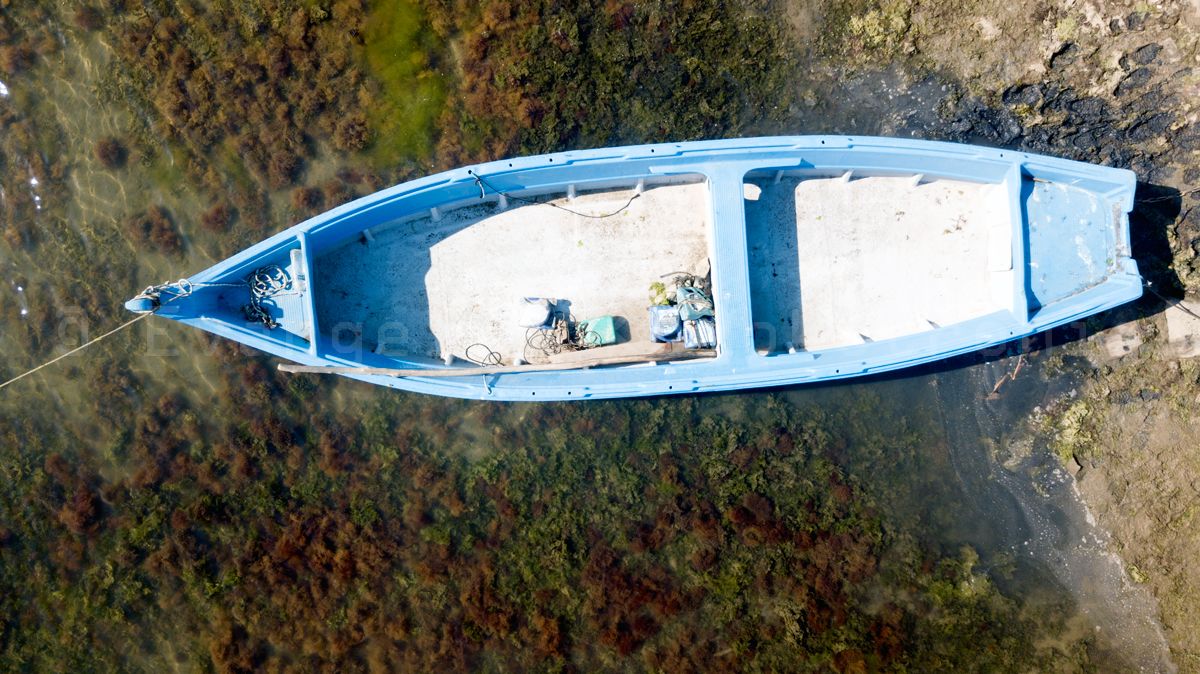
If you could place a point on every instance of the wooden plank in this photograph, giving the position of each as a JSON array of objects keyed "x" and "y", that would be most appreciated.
[{"x": 498, "y": 369}]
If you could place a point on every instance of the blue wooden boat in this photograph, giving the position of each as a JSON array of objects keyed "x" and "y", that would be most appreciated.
[{"x": 824, "y": 257}]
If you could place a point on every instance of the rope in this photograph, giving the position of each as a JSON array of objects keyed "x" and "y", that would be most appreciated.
[
  {"x": 562, "y": 335},
  {"x": 1169, "y": 197},
  {"x": 79, "y": 348},
  {"x": 180, "y": 288},
  {"x": 683, "y": 279},
  {"x": 265, "y": 283},
  {"x": 479, "y": 180},
  {"x": 1148, "y": 285},
  {"x": 492, "y": 357}
]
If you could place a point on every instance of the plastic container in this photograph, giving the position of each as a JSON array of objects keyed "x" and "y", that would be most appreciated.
[
  {"x": 600, "y": 331},
  {"x": 664, "y": 323},
  {"x": 533, "y": 312},
  {"x": 700, "y": 333}
]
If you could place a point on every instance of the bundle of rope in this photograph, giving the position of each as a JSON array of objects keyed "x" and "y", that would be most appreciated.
[
  {"x": 265, "y": 283},
  {"x": 563, "y": 334}
]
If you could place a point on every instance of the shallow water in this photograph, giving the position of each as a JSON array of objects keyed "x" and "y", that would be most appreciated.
[
  {"x": 1023, "y": 515},
  {"x": 1035, "y": 512}
]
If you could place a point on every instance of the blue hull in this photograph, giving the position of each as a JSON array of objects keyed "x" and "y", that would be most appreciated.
[{"x": 1051, "y": 225}]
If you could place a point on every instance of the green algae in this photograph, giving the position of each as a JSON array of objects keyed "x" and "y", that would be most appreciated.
[
  {"x": 399, "y": 51},
  {"x": 882, "y": 27}
]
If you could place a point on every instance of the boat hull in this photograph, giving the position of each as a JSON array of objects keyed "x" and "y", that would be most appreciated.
[{"x": 1060, "y": 253}]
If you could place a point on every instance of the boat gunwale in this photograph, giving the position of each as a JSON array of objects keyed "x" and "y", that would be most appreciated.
[
  {"x": 717, "y": 148},
  {"x": 730, "y": 369}
]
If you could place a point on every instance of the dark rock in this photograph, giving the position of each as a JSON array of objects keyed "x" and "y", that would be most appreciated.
[
  {"x": 1133, "y": 81},
  {"x": 1107, "y": 135},
  {"x": 1191, "y": 176},
  {"x": 1007, "y": 127},
  {"x": 1088, "y": 110},
  {"x": 1157, "y": 172},
  {"x": 1144, "y": 166},
  {"x": 1114, "y": 27},
  {"x": 1135, "y": 21},
  {"x": 1084, "y": 141},
  {"x": 1160, "y": 122},
  {"x": 1119, "y": 157},
  {"x": 1038, "y": 140},
  {"x": 1189, "y": 225},
  {"x": 1065, "y": 55},
  {"x": 1023, "y": 94},
  {"x": 1057, "y": 98},
  {"x": 993, "y": 125},
  {"x": 1188, "y": 138},
  {"x": 1149, "y": 127},
  {"x": 1155, "y": 99},
  {"x": 1148, "y": 395},
  {"x": 1145, "y": 54}
]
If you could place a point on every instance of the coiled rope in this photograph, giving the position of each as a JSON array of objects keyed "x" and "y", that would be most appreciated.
[
  {"x": 265, "y": 283},
  {"x": 490, "y": 358},
  {"x": 564, "y": 334}
]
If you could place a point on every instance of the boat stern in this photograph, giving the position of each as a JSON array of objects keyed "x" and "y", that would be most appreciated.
[{"x": 1076, "y": 220}]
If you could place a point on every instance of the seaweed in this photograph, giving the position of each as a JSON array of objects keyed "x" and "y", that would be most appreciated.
[
  {"x": 246, "y": 87},
  {"x": 540, "y": 76},
  {"x": 111, "y": 153},
  {"x": 408, "y": 86},
  {"x": 156, "y": 228},
  {"x": 218, "y": 218},
  {"x": 89, "y": 18}
]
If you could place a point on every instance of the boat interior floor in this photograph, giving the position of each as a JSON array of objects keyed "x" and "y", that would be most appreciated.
[
  {"x": 429, "y": 288},
  {"x": 837, "y": 262}
]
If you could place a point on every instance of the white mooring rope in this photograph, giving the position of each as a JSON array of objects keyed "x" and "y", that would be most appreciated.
[
  {"x": 180, "y": 288},
  {"x": 264, "y": 283},
  {"x": 77, "y": 349}
]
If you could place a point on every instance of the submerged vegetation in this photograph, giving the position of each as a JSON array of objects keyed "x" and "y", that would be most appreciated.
[
  {"x": 404, "y": 57},
  {"x": 258, "y": 85},
  {"x": 540, "y": 76},
  {"x": 674, "y": 539}
]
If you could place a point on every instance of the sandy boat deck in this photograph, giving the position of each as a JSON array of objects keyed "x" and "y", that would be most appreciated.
[
  {"x": 424, "y": 288},
  {"x": 839, "y": 262}
]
